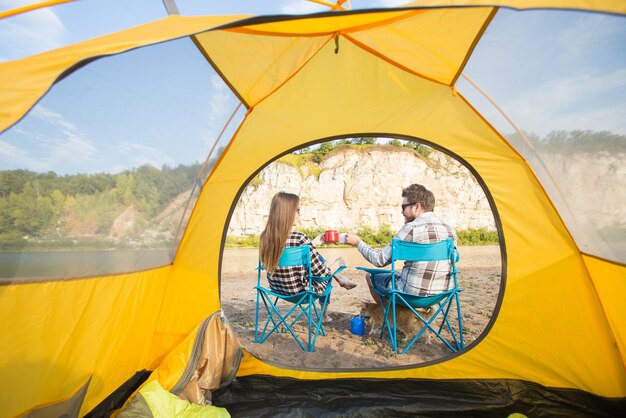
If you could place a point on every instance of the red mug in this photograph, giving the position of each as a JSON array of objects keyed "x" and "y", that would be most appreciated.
[{"x": 331, "y": 236}]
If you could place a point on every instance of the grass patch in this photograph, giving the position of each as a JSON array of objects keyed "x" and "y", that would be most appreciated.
[
  {"x": 244, "y": 241},
  {"x": 480, "y": 236}
]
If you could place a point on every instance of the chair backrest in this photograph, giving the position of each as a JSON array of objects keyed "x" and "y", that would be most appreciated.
[
  {"x": 437, "y": 251},
  {"x": 412, "y": 251},
  {"x": 293, "y": 256}
]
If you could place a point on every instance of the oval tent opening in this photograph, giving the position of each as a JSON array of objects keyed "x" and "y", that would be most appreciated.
[{"x": 354, "y": 185}]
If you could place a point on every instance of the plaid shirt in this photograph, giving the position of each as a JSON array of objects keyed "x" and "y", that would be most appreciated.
[
  {"x": 295, "y": 279},
  {"x": 421, "y": 278}
]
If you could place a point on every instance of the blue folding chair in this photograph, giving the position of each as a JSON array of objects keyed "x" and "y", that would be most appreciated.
[
  {"x": 283, "y": 311},
  {"x": 440, "y": 302}
]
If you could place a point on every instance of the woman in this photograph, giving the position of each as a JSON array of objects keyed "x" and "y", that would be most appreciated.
[{"x": 279, "y": 233}]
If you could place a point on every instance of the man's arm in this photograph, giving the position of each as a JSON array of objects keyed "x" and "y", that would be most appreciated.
[{"x": 378, "y": 257}]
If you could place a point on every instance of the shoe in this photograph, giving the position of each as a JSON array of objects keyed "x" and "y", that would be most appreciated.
[{"x": 345, "y": 282}]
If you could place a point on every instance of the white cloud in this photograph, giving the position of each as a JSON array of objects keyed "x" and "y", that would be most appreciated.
[
  {"x": 138, "y": 155},
  {"x": 53, "y": 118},
  {"x": 222, "y": 104},
  {"x": 29, "y": 33},
  {"x": 589, "y": 33},
  {"x": 17, "y": 157},
  {"x": 55, "y": 146},
  {"x": 579, "y": 102},
  {"x": 219, "y": 107},
  {"x": 72, "y": 151}
]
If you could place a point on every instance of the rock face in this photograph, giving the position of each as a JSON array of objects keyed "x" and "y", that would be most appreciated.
[{"x": 353, "y": 188}]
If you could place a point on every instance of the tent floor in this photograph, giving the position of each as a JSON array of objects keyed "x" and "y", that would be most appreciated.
[{"x": 267, "y": 396}]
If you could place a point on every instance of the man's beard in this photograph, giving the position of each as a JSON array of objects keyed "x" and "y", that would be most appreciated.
[{"x": 408, "y": 219}]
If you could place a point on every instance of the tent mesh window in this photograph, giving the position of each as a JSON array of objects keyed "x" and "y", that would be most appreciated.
[
  {"x": 562, "y": 90},
  {"x": 102, "y": 177}
]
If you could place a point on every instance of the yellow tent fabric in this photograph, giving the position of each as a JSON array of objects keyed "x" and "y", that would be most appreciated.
[{"x": 55, "y": 334}]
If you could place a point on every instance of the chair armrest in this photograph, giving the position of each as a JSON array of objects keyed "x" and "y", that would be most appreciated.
[{"x": 373, "y": 271}]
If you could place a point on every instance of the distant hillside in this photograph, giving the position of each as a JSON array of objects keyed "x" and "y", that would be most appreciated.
[
  {"x": 346, "y": 184},
  {"x": 123, "y": 208}
]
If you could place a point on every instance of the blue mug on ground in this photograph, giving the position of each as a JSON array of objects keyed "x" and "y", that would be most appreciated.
[{"x": 357, "y": 325}]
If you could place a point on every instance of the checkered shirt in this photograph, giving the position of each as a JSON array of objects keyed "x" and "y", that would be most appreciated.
[
  {"x": 421, "y": 278},
  {"x": 294, "y": 279}
]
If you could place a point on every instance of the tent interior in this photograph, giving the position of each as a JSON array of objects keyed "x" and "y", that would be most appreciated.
[{"x": 123, "y": 159}]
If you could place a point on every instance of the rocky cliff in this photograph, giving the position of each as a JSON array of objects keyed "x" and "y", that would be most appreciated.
[{"x": 352, "y": 188}]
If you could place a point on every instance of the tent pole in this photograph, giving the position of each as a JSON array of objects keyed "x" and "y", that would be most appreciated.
[
  {"x": 171, "y": 7},
  {"x": 502, "y": 112},
  {"x": 219, "y": 137},
  {"x": 200, "y": 179},
  {"x": 546, "y": 171}
]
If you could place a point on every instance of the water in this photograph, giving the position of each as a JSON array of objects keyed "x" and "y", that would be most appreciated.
[{"x": 58, "y": 264}]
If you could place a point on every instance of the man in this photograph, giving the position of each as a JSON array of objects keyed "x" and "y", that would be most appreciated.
[{"x": 421, "y": 226}]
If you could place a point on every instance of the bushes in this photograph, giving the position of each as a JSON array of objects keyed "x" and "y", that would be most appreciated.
[
  {"x": 378, "y": 238},
  {"x": 481, "y": 236},
  {"x": 312, "y": 232},
  {"x": 244, "y": 241},
  {"x": 375, "y": 238}
]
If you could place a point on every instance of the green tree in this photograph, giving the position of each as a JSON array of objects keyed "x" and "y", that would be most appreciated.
[
  {"x": 421, "y": 149},
  {"x": 366, "y": 140},
  {"x": 320, "y": 152},
  {"x": 13, "y": 181},
  {"x": 124, "y": 188},
  {"x": 58, "y": 202}
]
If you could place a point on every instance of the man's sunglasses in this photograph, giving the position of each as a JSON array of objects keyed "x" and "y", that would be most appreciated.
[{"x": 406, "y": 205}]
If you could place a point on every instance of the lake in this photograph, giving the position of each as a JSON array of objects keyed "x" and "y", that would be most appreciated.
[{"x": 52, "y": 264}]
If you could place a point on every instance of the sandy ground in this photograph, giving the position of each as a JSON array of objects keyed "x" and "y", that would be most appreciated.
[{"x": 480, "y": 273}]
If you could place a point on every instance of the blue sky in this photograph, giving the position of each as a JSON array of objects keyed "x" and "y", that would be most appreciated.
[{"x": 138, "y": 108}]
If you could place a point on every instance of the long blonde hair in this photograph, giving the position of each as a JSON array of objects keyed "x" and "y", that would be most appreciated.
[{"x": 278, "y": 228}]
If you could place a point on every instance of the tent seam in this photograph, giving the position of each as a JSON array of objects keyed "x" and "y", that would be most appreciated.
[
  {"x": 292, "y": 75},
  {"x": 396, "y": 64},
  {"x": 358, "y": 28}
]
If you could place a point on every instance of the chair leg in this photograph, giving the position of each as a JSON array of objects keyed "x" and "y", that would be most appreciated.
[
  {"x": 387, "y": 324},
  {"x": 273, "y": 310},
  {"x": 442, "y": 306},
  {"x": 458, "y": 341},
  {"x": 256, "y": 319},
  {"x": 427, "y": 326},
  {"x": 460, "y": 320},
  {"x": 276, "y": 320},
  {"x": 319, "y": 317},
  {"x": 394, "y": 343},
  {"x": 310, "y": 309}
]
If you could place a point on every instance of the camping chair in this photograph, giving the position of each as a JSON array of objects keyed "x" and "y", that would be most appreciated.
[
  {"x": 440, "y": 302},
  {"x": 283, "y": 311}
]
